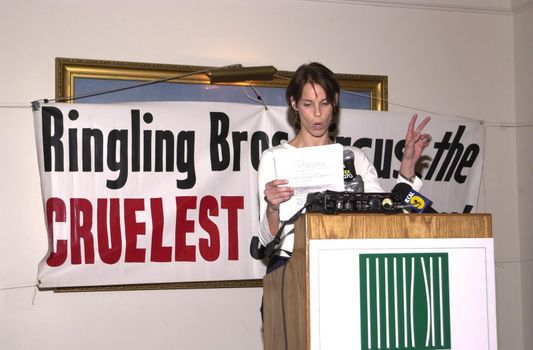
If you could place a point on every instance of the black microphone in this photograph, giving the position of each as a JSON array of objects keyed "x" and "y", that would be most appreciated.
[
  {"x": 257, "y": 251},
  {"x": 352, "y": 181},
  {"x": 413, "y": 200},
  {"x": 401, "y": 189}
]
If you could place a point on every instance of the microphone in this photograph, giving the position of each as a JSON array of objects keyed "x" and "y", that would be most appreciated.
[
  {"x": 352, "y": 181},
  {"x": 413, "y": 200},
  {"x": 257, "y": 251}
]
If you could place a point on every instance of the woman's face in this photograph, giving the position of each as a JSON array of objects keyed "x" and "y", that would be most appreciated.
[{"x": 315, "y": 110}]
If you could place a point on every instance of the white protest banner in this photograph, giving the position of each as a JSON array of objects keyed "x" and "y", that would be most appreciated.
[{"x": 167, "y": 192}]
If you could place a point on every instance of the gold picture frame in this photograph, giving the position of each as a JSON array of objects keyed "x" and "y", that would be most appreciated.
[{"x": 69, "y": 70}]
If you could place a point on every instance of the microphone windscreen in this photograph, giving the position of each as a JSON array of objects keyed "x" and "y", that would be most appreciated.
[
  {"x": 401, "y": 189},
  {"x": 347, "y": 154}
]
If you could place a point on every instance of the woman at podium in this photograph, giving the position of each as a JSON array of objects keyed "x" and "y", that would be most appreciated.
[{"x": 313, "y": 99}]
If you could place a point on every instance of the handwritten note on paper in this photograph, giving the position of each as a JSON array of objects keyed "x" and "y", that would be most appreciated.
[{"x": 308, "y": 169}]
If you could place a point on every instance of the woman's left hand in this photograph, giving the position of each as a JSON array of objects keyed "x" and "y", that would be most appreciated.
[{"x": 415, "y": 143}]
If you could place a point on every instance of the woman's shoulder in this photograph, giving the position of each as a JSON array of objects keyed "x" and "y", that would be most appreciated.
[{"x": 284, "y": 145}]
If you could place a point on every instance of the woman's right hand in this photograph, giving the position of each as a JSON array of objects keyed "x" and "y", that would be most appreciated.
[{"x": 276, "y": 193}]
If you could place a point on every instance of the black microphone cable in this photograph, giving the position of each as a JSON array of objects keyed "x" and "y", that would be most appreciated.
[
  {"x": 270, "y": 248},
  {"x": 283, "y": 316}
]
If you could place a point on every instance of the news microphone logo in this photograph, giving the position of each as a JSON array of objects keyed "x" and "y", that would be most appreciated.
[
  {"x": 349, "y": 166},
  {"x": 352, "y": 181},
  {"x": 417, "y": 201},
  {"x": 348, "y": 175}
]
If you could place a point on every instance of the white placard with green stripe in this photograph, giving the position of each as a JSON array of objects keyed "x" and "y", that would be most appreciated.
[{"x": 402, "y": 294}]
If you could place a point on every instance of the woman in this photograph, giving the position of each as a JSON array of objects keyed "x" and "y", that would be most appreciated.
[{"x": 313, "y": 98}]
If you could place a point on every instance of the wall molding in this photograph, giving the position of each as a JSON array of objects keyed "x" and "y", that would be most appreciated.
[{"x": 471, "y": 6}]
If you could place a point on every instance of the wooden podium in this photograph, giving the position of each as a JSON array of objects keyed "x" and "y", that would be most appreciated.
[{"x": 376, "y": 281}]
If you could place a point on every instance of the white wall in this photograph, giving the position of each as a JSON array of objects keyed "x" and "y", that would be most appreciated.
[
  {"x": 452, "y": 62},
  {"x": 524, "y": 115}
]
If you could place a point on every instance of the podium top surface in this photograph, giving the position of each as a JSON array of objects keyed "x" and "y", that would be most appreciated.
[{"x": 356, "y": 225}]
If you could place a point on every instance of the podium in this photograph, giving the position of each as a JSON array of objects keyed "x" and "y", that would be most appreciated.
[{"x": 377, "y": 281}]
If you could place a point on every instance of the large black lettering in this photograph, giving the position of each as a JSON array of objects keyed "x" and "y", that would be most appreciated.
[
  {"x": 343, "y": 140},
  {"x": 237, "y": 138},
  {"x": 164, "y": 146},
  {"x": 383, "y": 157},
  {"x": 218, "y": 141},
  {"x": 73, "y": 143},
  {"x": 398, "y": 153},
  {"x": 455, "y": 152},
  {"x": 52, "y": 139},
  {"x": 258, "y": 145},
  {"x": 363, "y": 142},
  {"x": 119, "y": 137},
  {"x": 456, "y": 158},
  {"x": 147, "y": 140},
  {"x": 441, "y": 148},
  {"x": 97, "y": 137},
  {"x": 135, "y": 140},
  {"x": 185, "y": 159},
  {"x": 468, "y": 159}
]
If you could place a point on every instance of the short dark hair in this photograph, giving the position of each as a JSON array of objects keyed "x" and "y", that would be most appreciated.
[{"x": 316, "y": 74}]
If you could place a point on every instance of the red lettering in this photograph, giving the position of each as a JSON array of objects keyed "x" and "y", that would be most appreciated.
[
  {"x": 56, "y": 206},
  {"x": 209, "y": 248},
  {"x": 160, "y": 253},
  {"x": 81, "y": 221},
  {"x": 109, "y": 253},
  {"x": 114, "y": 223},
  {"x": 184, "y": 252},
  {"x": 233, "y": 204},
  {"x": 133, "y": 229}
]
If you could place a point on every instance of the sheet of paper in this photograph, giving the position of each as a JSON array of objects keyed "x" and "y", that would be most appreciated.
[{"x": 308, "y": 169}]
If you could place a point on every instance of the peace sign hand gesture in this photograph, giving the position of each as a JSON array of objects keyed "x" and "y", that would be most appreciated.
[{"x": 415, "y": 143}]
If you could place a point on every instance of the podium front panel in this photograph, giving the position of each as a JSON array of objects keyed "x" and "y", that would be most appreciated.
[{"x": 402, "y": 294}]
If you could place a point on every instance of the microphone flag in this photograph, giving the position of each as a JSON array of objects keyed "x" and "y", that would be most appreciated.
[{"x": 417, "y": 201}]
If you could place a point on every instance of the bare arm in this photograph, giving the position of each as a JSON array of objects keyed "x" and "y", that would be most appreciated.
[{"x": 276, "y": 192}]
